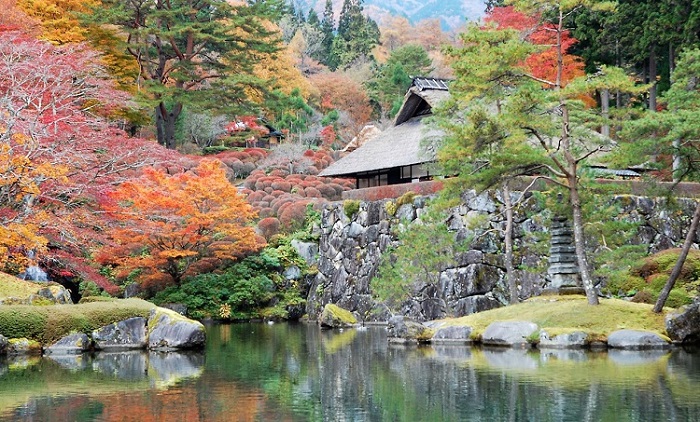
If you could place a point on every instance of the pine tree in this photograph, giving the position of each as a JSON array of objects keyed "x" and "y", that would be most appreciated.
[
  {"x": 673, "y": 132},
  {"x": 507, "y": 118},
  {"x": 193, "y": 53},
  {"x": 393, "y": 78}
]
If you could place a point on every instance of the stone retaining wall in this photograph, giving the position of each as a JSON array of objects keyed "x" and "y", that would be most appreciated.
[{"x": 350, "y": 249}]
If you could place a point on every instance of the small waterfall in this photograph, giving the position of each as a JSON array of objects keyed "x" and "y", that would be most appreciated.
[{"x": 34, "y": 273}]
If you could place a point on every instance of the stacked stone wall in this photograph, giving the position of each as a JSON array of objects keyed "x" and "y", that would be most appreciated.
[{"x": 350, "y": 250}]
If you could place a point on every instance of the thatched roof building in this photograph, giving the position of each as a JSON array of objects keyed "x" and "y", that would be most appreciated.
[{"x": 397, "y": 155}]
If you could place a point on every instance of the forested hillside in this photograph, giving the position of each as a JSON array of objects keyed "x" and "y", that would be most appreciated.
[{"x": 176, "y": 145}]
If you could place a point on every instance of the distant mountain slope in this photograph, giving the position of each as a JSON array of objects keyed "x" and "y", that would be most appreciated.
[{"x": 452, "y": 13}]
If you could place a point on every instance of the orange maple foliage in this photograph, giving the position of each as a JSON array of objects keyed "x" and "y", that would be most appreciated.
[
  {"x": 339, "y": 91},
  {"x": 169, "y": 225},
  {"x": 542, "y": 64}
]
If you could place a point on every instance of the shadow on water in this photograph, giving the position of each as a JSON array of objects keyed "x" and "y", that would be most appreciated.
[{"x": 251, "y": 372}]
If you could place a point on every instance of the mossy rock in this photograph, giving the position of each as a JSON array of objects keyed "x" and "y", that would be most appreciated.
[
  {"x": 333, "y": 316},
  {"x": 23, "y": 346}
]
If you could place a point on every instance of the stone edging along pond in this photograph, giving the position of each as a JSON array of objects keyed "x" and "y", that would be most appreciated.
[
  {"x": 118, "y": 325},
  {"x": 616, "y": 324}
]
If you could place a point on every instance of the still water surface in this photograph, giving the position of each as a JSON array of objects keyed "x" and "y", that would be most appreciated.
[{"x": 281, "y": 372}]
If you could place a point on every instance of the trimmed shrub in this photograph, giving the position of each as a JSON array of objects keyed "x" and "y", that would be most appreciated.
[
  {"x": 312, "y": 192},
  {"x": 293, "y": 215},
  {"x": 269, "y": 227},
  {"x": 47, "y": 324}
]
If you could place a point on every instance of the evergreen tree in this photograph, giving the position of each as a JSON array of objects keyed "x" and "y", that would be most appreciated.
[
  {"x": 328, "y": 30},
  {"x": 673, "y": 132},
  {"x": 503, "y": 120},
  {"x": 357, "y": 35},
  {"x": 392, "y": 79},
  {"x": 198, "y": 54},
  {"x": 313, "y": 20}
]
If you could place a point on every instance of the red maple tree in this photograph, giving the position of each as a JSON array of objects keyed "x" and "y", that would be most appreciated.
[{"x": 543, "y": 64}]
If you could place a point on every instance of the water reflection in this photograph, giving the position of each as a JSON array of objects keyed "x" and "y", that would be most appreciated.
[{"x": 253, "y": 372}]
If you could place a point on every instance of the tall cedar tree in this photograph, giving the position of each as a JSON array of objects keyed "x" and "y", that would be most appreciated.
[
  {"x": 193, "y": 53},
  {"x": 328, "y": 30},
  {"x": 357, "y": 35},
  {"x": 512, "y": 111}
]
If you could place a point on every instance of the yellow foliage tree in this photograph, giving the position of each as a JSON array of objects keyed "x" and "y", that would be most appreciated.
[{"x": 57, "y": 17}]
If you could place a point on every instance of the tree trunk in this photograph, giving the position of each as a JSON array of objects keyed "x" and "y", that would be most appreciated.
[
  {"x": 652, "y": 78},
  {"x": 677, "y": 160},
  {"x": 510, "y": 270},
  {"x": 571, "y": 175},
  {"x": 579, "y": 242},
  {"x": 165, "y": 124},
  {"x": 160, "y": 130},
  {"x": 605, "y": 111},
  {"x": 658, "y": 307}
]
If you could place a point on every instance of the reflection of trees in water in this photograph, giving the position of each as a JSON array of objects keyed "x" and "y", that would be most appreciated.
[{"x": 285, "y": 372}]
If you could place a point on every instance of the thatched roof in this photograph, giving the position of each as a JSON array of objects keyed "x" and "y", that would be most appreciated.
[
  {"x": 395, "y": 147},
  {"x": 402, "y": 144}
]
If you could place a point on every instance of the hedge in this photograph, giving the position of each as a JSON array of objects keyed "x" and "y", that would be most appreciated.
[{"x": 48, "y": 324}]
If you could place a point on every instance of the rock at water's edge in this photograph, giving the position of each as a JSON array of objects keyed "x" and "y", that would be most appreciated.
[
  {"x": 404, "y": 330},
  {"x": 509, "y": 333},
  {"x": 23, "y": 346},
  {"x": 123, "y": 335},
  {"x": 334, "y": 316},
  {"x": 72, "y": 344},
  {"x": 169, "y": 330},
  {"x": 454, "y": 334},
  {"x": 636, "y": 339},
  {"x": 683, "y": 325},
  {"x": 574, "y": 340}
]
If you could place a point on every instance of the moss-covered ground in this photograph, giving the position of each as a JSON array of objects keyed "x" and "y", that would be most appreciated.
[
  {"x": 46, "y": 324},
  {"x": 11, "y": 286},
  {"x": 562, "y": 314}
]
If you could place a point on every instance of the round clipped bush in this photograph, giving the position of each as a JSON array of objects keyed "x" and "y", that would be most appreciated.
[
  {"x": 292, "y": 216},
  {"x": 269, "y": 227},
  {"x": 265, "y": 212},
  {"x": 327, "y": 191},
  {"x": 312, "y": 192},
  {"x": 282, "y": 185}
]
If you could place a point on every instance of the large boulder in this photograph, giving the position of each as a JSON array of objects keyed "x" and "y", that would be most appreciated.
[
  {"x": 452, "y": 334},
  {"x": 169, "y": 330},
  {"x": 509, "y": 333},
  {"x": 683, "y": 325},
  {"x": 334, "y": 316},
  {"x": 636, "y": 339},
  {"x": 3, "y": 345},
  {"x": 404, "y": 330},
  {"x": 72, "y": 344},
  {"x": 307, "y": 250},
  {"x": 575, "y": 340},
  {"x": 123, "y": 335}
]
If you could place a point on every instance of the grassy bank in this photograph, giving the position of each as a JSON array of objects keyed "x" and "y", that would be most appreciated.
[
  {"x": 46, "y": 324},
  {"x": 563, "y": 314},
  {"x": 13, "y": 287}
]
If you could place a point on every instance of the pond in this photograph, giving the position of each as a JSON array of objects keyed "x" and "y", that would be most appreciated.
[{"x": 295, "y": 372}]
